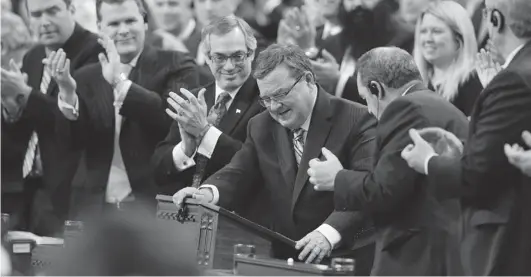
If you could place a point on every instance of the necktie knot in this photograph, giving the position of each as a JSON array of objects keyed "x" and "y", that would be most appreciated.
[
  {"x": 219, "y": 109},
  {"x": 298, "y": 135},
  {"x": 223, "y": 98}
]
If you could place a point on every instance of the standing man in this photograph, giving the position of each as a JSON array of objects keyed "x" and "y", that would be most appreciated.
[
  {"x": 415, "y": 229},
  {"x": 493, "y": 193},
  {"x": 200, "y": 142},
  {"x": 116, "y": 109},
  {"x": 36, "y": 170},
  {"x": 300, "y": 120}
]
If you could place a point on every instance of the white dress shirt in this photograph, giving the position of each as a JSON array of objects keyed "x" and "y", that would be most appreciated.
[
  {"x": 331, "y": 234},
  {"x": 207, "y": 145},
  {"x": 118, "y": 184},
  {"x": 509, "y": 59},
  {"x": 346, "y": 70}
]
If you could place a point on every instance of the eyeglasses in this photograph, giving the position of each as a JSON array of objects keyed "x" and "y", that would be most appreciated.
[
  {"x": 266, "y": 101},
  {"x": 236, "y": 58}
]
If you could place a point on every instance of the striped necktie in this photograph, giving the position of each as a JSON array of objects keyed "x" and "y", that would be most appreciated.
[
  {"x": 298, "y": 144},
  {"x": 32, "y": 156},
  {"x": 215, "y": 115}
]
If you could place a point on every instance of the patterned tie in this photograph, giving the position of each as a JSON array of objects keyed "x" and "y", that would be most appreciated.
[
  {"x": 32, "y": 154},
  {"x": 215, "y": 115},
  {"x": 298, "y": 144}
]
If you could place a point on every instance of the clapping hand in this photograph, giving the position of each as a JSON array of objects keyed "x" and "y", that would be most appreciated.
[
  {"x": 518, "y": 156},
  {"x": 14, "y": 89},
  {"x": 191, "y": 113},
  {"x": 486, "y": 67},
  {"x": 297, "y": 28},
  {"x": 170, "y": 42},
  {"x": 110, "y": 64},
  {"x": 59, "y": 67}
]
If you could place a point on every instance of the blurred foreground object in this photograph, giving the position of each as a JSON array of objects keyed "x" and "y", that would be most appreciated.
[
  {"x": 127, "y": 243},
  {"x": 16, "y": 38}
]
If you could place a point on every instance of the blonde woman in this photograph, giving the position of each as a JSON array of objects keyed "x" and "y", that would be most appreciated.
[{"x": 445, "y": 51}]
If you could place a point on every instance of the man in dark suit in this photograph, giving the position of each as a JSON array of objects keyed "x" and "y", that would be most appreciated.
[
  {"x": 35, "y": 168},
  {"x": 115, "y": 112},
  {"x": 417, "y": 233},
  {"x": 213, "y": 143},
  {"x": 493, "y": 193},
  {"x": 301, "y": 118}
]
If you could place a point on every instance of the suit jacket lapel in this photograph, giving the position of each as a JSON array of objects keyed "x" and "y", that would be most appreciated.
[
  {"x": 320, "y": 126},
  {"x": 286, "y": 158},
  {"x": 239, "y": 105},
  {"x": 210, "y": 96}
]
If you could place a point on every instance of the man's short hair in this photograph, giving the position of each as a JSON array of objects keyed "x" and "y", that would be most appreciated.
[
  {"x": 391, "y": 66},
  {"x": 276, "y": 54},
  {"x": 518, "y": 16},
  {"x": 139, "y": 3},
  {"x": 224, "y": 25}
]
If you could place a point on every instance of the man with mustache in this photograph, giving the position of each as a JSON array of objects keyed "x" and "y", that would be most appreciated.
[
  {"x": 36, "y": 170},
  {"x": 366, "y": 24},
  {"x": 114, "y": 110}
]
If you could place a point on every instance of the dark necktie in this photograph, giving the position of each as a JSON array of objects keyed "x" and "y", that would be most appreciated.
[{"x": 215, "y": 115}]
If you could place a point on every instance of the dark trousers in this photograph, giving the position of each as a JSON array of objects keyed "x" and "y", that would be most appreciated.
[{"x": 19, "y": 205}]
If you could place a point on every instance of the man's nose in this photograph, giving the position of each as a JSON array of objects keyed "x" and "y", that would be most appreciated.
[
  {"x": 123, "y": 28},
  {"x": 229, "y": 65}
]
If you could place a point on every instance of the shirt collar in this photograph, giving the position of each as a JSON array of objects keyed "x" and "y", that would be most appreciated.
[
  {"x": 134, "y": 61},
  {"x": 512, "y": 55},
  {"x": 306, "y": 125},
  {"x": 231, "y": 93}
]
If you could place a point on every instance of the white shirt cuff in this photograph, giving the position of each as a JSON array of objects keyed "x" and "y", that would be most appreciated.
[
  {"x": 180, "y": 160},
  {"x": 208, "y": 144},
  {"x": 427, "y": 161},
  {"x": 215, "y": 192},
  {"x": 69, "y": 111},
  {"x": 331, "y": 234},
  {"x": 270, "y": 5},
  {"x": 121, "y": 92},
  {"x": 341, "y": 83}
]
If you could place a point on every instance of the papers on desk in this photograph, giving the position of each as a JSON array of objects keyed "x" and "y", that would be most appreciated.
[{"x": 21, "y": 235}]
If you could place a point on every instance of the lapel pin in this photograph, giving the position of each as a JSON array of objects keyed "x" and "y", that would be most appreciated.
[{"x": 238, "y": 111}]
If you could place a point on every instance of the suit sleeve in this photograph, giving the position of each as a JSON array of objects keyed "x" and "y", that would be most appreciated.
[
  {"x": 360, "y": 160},
  {"x": 162, "y": 160},
  {"x": 241, "y": 177},
  {"x": 484, "y": 171},
  {"x": 391, "y": 181},
  {"x": 148, "y": 107},
  {"x": 74, "y": 133}
]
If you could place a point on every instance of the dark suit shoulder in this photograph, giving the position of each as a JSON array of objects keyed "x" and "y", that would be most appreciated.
[{"x": 87, "y": 73}]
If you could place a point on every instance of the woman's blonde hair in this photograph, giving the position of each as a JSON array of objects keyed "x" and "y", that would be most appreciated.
[{"x": 457, "y": 18}]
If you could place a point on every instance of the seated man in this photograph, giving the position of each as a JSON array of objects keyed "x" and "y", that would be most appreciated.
[{"x": 300, "y": 120}]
